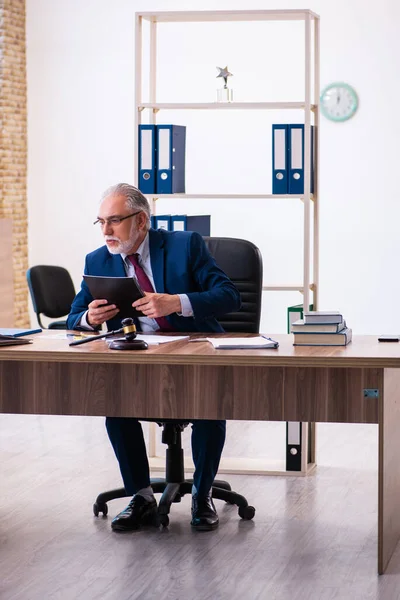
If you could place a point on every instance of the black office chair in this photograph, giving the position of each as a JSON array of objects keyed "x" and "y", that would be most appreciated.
[
  {"x": 52, "y": 293},
  {"x": 241, "y": 260}
]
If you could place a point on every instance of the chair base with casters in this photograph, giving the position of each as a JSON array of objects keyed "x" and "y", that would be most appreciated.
[{"x": 174, "y": 486}]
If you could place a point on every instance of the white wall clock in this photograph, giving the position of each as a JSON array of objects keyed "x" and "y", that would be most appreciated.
[{"x": 339, "y": 101}]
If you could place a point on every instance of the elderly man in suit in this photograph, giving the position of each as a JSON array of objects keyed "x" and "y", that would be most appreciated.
[{"x": 185, "y": 291}]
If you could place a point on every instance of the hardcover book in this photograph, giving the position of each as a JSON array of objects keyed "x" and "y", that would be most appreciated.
[
  {"x": 301, "y": 327},
  {"x": 323, "y": 339},
  {"x": 326, "y": 317}
]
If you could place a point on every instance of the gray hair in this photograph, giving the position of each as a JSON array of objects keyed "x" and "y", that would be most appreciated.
[{"x": 134, "y": 198}]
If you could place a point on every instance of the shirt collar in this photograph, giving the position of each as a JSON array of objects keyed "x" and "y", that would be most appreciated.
[{"x": 143, "y": 250}]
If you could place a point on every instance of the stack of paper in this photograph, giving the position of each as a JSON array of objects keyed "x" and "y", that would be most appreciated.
[{"x": 246, "y": 343}]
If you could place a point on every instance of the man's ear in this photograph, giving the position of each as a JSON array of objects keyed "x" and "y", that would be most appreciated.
[{"x": 142, "y": 220}]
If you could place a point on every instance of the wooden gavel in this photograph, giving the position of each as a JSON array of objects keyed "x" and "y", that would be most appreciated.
[{"x": 129, "y": 343}]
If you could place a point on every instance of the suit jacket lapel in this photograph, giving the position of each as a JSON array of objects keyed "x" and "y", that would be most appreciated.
[{"x": 156, "y": 245}]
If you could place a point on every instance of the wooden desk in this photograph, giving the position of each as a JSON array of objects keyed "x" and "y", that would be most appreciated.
[{"x": 357, "y": 384}]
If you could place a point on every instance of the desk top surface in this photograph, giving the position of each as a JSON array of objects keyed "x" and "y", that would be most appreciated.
[{"x": 363, "y": 351}]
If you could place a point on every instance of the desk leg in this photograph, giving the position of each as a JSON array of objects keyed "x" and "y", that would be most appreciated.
[{"x": 389, "y": 468}]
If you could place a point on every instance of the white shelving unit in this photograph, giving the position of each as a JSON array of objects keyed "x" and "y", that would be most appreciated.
[{"x": 309, "y": 105}]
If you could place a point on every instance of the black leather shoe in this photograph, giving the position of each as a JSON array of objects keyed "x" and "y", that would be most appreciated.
[
  {"x": 138, "y": 512},
  {"x": 204, "y": 515}
]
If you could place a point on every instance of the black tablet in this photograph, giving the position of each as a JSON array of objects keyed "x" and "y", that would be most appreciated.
[{"x": 121, "y": 291}]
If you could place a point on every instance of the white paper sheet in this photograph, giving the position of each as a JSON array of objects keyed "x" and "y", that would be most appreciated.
[
  {"x": 243, "y": 343},
  {"x": 154, "y": 340}
]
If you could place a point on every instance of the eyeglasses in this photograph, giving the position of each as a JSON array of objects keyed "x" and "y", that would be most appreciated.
[{"x": 113, "y": 221}]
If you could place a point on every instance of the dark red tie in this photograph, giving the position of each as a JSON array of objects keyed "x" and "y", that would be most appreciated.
[{"x": 146, "y": 286}]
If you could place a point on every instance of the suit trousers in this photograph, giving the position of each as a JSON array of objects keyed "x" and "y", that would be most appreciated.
[{"x": 126, "y": 436}]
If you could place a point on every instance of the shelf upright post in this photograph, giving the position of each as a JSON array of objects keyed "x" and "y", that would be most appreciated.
[
  {"x": 152, "y": 100},
  {"x": 308, "y": 430},
  {"x": 316, "y": 163},
  {"x": 153, "y": 66},
  {"x": 300, "y": 446},
  {"x": 138, "y": 93},
  {"x": 153, "y": 86},
  {"x": 312, "y": 427},
  {"x": 307, "y": 164}
]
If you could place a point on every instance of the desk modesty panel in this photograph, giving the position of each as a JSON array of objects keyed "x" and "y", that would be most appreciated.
[{"x": 192, "y": 380}]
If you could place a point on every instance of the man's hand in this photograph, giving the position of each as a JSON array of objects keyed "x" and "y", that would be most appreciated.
[
  {"x": 155, "y": 305},
  {"x": 98, "y": 313}
]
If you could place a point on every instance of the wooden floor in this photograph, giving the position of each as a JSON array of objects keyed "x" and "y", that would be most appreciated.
[{"x": 312, "y": 538}]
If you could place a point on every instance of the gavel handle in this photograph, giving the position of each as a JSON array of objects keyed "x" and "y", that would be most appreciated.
[{"x": 95, "y": 337}]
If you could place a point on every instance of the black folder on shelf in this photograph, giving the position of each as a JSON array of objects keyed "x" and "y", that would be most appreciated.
[{"x": 121, "y": 291}]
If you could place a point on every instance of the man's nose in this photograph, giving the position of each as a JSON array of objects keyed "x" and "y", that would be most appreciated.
[{"x": 107, "y": 229}]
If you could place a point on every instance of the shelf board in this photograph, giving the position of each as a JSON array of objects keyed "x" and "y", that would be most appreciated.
[
  {"x": 285, "y": 288},
  {"x": 226, "y": 196},
  {"x": 239, "y": 466},
  {"x": 224, "y": 105},
  {"x": 227, "y": 15}
]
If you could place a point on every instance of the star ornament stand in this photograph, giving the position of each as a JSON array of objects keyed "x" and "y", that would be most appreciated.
[{"x": 224, "y": 94}]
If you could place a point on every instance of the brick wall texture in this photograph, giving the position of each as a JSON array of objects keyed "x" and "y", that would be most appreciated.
[{"x": 13, "y": 144}]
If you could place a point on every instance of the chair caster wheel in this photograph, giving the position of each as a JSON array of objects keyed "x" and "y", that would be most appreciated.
[
  {"x": 98, "y": 508},
  {"x": 163, "y": 520},
  {"x": 246, "y": 512}
]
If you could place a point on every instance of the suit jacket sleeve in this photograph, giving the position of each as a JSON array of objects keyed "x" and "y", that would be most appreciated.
[
  {"x": 80, "y": 304},
  {"x": 218, "y": 295}
]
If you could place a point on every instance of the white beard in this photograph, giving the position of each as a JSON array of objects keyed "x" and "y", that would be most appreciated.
[{"x": 121, "y": 248}]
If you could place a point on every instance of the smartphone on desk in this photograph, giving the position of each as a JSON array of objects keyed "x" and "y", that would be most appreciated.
[{"x": 388, "y": 338}]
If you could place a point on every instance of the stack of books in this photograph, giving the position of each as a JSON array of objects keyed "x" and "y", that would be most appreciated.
[{"x": 320, "y": 328}]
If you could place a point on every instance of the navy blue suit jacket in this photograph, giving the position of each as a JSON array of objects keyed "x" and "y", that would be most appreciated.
[{"x": 181, "y": 264}]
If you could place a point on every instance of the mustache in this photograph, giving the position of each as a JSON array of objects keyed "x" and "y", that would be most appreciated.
[{"x": 111, "y": 238}]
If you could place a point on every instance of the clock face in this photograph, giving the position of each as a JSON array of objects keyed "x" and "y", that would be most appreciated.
[{"x": 339, "y": 101}]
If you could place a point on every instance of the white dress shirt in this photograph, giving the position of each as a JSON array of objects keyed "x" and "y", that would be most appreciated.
[{"x": 146, "y": 323}]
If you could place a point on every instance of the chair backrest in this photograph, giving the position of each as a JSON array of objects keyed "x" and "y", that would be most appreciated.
[
  {"x": 242, "y": 262},
  {"x": 52, "y": 290}
]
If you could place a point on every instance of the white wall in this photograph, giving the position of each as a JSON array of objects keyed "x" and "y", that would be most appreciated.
[{"x": 80, "y": 62}]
